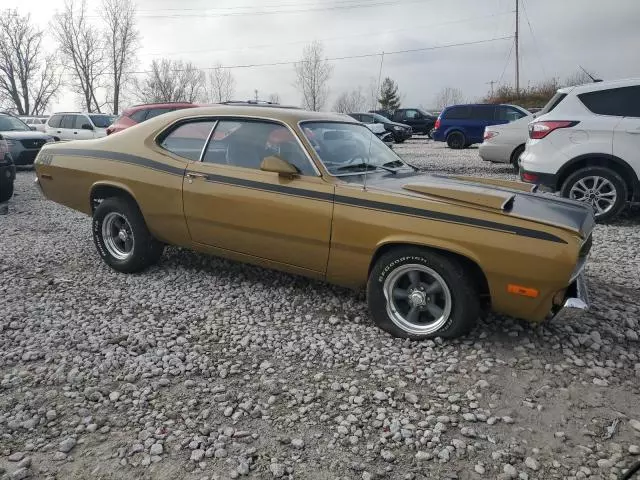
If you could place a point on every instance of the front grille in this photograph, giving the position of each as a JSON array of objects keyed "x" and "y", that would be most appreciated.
[
  {"x": 26, "y": 158},
  {"x": 33, "y": 143}
]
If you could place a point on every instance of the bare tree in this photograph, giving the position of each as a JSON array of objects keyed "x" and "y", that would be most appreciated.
[
  {"x": 221, "y": 85},
  {"x": 28, "y": 77},
  {"x": 82, "y": 46},
  {"x": 274, "y": 98},
  {"x": 171, "y": 81},
  {"x": 350, "y": 102},
  {"x": 448, "y": 96},
  {"x": 312, "y": 75},
  {"x": 122, "y": 43}
]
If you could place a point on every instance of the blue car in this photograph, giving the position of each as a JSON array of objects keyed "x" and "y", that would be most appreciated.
[{"x": 463, "y": 125}]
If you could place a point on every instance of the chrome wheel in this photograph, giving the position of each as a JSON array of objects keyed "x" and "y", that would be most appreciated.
[
  {"x": 117, "y": 235},
  {"x": 418, "y": 299},
  {"x": 598, "y": 191}
]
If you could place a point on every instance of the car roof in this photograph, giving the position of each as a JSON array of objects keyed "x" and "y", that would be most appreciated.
[
  {"x": 142, "y": 106},
  {"x": 287, "y": 115},
  {"x": 604, "y": 85}
]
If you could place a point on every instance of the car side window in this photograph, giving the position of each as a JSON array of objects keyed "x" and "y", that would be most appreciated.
[
  {"x": 154, "y": 112},
  {"x": 245, "y": 143},
  {"x": 457, "y": 113},
  {"x": 188, "y": 139},
  {"x": 618, "y": 102},
  {"x": 139, "y": 116},
  {"x": 68, "y": 121},
  {"x": 508, "y": 114},
  {"x": 411, "y": 114},
  {"x": 79, "y": 121},
  {"x": 367, "y": 119},
  {"x": 54, "y": 121}
]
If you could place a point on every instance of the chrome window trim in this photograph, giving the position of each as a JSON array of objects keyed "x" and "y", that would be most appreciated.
[{"x": 218, "y": 117}]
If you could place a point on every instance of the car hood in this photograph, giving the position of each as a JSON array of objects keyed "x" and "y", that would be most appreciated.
[
  {"x": 25, "y": 135},
  {"x": 396, "y": 124},
  {"x": 512, "y": 199}
]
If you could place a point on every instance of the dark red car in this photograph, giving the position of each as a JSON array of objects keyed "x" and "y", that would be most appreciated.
[{"x": 139, "y": 113}]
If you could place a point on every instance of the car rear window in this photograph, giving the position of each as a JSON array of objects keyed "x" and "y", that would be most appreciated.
[
  {"x": 553, "y": 103},
  {"x": 187, "y": 140},
  {"x": 457, "y": 113},
  {"x": 54, "y": 121},
  {"x": 139, "y": 116},
  {"x": 619, "y": 102},
  {"x": 154, "y": 112}
]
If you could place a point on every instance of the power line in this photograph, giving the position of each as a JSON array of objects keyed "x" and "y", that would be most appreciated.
[
  {"x": 535, "y": 41},
  {"x": 506, "y": 64},
  {"x": 349, "y": 57}
]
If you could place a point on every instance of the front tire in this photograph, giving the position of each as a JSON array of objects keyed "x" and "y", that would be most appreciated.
[
  {"x": 122, "y": 238},
  {"x": 418, "y": 294},
  {"x": 600, "y": 187},
  {"x": 456, "y": 140}
]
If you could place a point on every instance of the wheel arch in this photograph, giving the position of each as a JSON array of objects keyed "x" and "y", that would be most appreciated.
[
  {"x": 465, "y": 257},
  {"x": 106, "y": 189},
  {"x": 612, "y": 162},
  {"x": 511, "y": 159}
]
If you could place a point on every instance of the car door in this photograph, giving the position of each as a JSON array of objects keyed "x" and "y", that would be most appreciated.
[
  {"x": 65, "y": 131},
  {"x": 411, "y": 117},
  {"x": 83, "y": 128},
  {"x": 626, "y": 136},
  {"x": 231, "y": 204}
]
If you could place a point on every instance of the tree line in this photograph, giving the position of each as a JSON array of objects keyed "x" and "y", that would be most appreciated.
[{"x": 96, "y": 60}]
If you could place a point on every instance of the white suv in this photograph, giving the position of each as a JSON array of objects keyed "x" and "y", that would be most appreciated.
[
  {"x": 586, "y": 144},
  {"x": 78, "y": 126}
]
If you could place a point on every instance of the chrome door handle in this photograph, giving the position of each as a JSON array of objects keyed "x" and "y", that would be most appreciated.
[{"x": 196, "y": 175}]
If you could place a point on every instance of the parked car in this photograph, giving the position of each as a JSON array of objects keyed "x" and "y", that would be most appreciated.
[
  {"x": 140, "y": 113},
  {"x": 463, "y": 125},
  {"x": 399, "y": 131},
  {"x": 78, "y": 126},
  {"x": 505, "y": 143},
  {"x": 380, "y": 132},
  {"x": 22, "y": 142},
  {"x": 586, "y": 145},
  {"x": 318, "y": 194},
  {"x": 420, "y": 121},
  {"x": 35, "y": 123},
  {"x": 7, "y": 172}
]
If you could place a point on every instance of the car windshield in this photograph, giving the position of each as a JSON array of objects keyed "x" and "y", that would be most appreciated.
[
  {"x": 102, "y": 121},
  {"x": 347, "y": 148},
  {"x": 12, "y": 124},
  {"x": 380, "y": 118}
]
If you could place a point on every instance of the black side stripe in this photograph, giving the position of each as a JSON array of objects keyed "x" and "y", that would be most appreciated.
[
  {"x": 121, "y": 157},
  {"x": 324, "y": 196}
]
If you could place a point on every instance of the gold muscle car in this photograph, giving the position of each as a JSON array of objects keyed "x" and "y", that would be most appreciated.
[{"x": 317, "y": 194}]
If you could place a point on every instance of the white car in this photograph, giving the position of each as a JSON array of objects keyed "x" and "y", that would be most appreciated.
[
  {"x": 78, "y": 126},
  {"x": 586, "y": 145},
  {"x": 35, "y": 123},
  {"x": 505, "y": 143}
]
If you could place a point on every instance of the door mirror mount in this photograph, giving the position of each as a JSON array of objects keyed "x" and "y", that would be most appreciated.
[{"x": 278, "y": 165}]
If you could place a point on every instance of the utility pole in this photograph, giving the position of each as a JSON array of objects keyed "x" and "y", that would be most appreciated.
[
  {"x": 517, "y": 48},
  {"x": 256, "y": 92},
  {"x": 492, "y": 82}
]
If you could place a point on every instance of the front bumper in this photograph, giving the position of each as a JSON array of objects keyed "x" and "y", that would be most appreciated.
[{"x": 576, "y": 299}]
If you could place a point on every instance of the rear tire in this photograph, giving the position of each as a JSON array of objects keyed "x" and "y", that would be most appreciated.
[
  {"x": 601, "y": 187},
  {"x": 443, "y": 297},
  {"x": 122, "y": 238},
  {"x": 456, "y": 140},
  {"x": 515, "y": 156},
  {"x": 6, "y": 192}
]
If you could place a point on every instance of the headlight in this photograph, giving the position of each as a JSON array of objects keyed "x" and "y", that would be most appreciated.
[
  {"x": 397, "y": 129},
  {"x": 50, "y": 140}
]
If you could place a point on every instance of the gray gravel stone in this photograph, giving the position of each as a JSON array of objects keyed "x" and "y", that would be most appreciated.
[
  {"x": 156, "y": 449},
  {"x": 67, "y": 445}
]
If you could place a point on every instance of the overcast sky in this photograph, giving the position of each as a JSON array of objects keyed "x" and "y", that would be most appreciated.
[{"x": 602, "y": 36}]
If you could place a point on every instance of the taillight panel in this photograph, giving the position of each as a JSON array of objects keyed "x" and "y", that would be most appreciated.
[
  {"x": 489, "y": 134},
  {"x": 538, "y": 130}
]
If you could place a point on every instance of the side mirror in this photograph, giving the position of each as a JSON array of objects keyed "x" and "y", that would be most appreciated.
[
  {"x": 278, "y": 165},
  {"x": 87, "y": 126}
]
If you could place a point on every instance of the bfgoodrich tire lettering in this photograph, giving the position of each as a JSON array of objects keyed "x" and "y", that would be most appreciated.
[
  {"x": 462, "y": 310},
  {"x": 145, "y": 250}
]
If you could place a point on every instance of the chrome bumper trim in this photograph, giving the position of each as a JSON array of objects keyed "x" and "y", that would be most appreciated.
[{"x": 580, "y": 298}]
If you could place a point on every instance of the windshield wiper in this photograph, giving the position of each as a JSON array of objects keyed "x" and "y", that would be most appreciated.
[
  {"x": 401, "y": 163},
  {"x": 365, "y": 166}
]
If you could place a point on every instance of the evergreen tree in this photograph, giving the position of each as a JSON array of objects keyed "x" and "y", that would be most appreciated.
[{"x": 389, "y": 98}]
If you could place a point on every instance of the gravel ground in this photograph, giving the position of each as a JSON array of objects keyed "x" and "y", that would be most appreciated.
[{"x": 202, "y": 368}]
